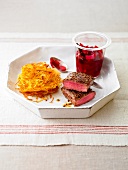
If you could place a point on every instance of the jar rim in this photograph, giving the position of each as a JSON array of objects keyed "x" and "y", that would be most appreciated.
[{"x": 108, "y": 40}]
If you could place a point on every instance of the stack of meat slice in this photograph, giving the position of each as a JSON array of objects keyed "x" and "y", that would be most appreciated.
[{"x": 76, "y": 88}]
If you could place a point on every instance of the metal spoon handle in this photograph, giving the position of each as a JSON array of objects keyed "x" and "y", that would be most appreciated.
[{"x": 97, "y": 85}]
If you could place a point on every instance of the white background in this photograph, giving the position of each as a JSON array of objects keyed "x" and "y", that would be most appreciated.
[{"x": 63, "y": 15}]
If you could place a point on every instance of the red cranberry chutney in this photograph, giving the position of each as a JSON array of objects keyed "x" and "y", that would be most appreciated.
[
  {"x": 56, "y": 63},
  {"x": 89, "y": 62}
]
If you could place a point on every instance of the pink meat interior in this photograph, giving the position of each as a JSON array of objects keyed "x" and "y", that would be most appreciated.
[
  {"x": 76, "y": 86},
  {"x": 85, "y": 99}
]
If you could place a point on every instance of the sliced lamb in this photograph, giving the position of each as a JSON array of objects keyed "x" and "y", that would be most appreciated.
[
  {"x": 78, "y": 81},
  {"x": 78, "y": 98}
]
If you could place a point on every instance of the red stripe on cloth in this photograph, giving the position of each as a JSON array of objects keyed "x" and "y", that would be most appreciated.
[
  {"x": 58, "y": 125},
  {"x": 62, "y": 129}
]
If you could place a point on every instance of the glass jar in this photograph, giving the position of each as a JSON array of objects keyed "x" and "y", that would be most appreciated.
[{"x": 90, "y": 51}]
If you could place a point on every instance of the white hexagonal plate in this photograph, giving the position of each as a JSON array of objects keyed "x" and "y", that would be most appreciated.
[{"x": 107, "y": 79}]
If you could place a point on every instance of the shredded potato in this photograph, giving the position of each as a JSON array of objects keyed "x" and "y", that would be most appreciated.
[{"x": 38, "y": 80}]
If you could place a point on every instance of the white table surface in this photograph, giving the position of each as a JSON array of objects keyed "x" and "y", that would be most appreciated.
[{"x": 66, "y": 156}]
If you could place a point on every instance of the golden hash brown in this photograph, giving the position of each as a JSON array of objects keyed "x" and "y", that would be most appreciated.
[{"x": 38, "y": 79}]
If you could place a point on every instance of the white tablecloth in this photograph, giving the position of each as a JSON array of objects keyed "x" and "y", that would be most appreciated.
[{"x": 19, "y": 126}]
